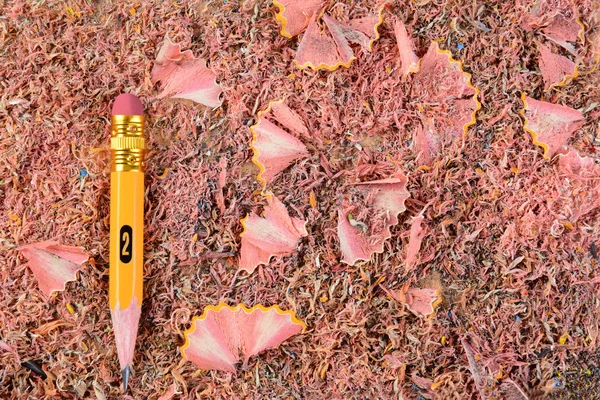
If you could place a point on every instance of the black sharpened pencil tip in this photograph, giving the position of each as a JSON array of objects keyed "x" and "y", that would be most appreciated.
[{"x": 126, "y": 372}]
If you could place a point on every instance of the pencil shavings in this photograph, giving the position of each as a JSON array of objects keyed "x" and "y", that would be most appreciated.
[
  {"x": 224, "y": 335},
  {"x": 294, "y": 15},
  {"x": 53, "y": 264},
  {"x": 556, "y": 69},
  {"x": 360, "y": 240},
  {"x": 182, "y": 76},
  {"x": 446, "y": 101},
  {"x": 274, "y": 234},
  {"x": 274, "y": 148},
  {"x": 550, "y": 125},
  {"x": 410, "y": 61},
  {"x": 331, "y": 49}
]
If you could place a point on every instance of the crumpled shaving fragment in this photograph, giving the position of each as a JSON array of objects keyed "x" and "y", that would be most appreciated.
[
  {"x": 425, "y": 384},
  {"x": 331, "y": 49},
  {"x": 53, "y": 264},
  {"x": 484, "y": 381},
  {"x": 359, "y": 242},
  {"x": 556, "y": 70},
  {"x": 574, "y": 166},
  {"x": 414, "y": 242},
  {"x": 410, "y": 61},
  {"x": 512, "y": 391},
  {"x": 274, "y": 148},
  {"x": 580, "y": 185},
  {"x": 565, "y": 31},
  {"x": 446, "y": 100},
  {"x": 223, "y": 334},
  {"x": 423, "y": 302},
  {"x": 182, "y": 76},
  {"x": 274, "y": 234},
  {"x": 550, "y": 125}
]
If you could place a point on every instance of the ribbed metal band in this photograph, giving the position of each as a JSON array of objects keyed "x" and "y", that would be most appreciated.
[{"x": 127, "y": 143}]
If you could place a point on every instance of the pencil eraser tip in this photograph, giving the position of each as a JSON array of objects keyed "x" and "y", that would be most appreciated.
[{"x": 127, "y": 104}]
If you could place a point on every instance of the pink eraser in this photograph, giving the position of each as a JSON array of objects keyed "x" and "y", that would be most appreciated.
[{"x": 127, "y": 104}]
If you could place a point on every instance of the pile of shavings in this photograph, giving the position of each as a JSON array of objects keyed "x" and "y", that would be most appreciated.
[{"x": 506, "y": 238}]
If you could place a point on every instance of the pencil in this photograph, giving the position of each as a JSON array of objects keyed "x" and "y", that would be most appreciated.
[{"x": 126, "y": 226}]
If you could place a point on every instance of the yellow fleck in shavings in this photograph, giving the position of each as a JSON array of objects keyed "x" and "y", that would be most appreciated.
[
  {"x": 323, "y": 371},
  {"x": 14, "y": 217},
  {"x": 568, "y": 225},
  {"x": 164, "y": 174},
  {"x": 312, "y": 199}
]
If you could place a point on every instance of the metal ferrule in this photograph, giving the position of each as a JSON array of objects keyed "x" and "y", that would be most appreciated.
[{"x": 127, "y": 143}]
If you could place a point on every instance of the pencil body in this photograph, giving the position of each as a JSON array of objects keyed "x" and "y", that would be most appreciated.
[
  {"x": 126, "y": 238},
  {"x": 126, "y": 234}
]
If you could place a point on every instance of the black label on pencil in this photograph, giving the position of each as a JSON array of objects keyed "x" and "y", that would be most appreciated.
[{"x": 125, "y": 243}]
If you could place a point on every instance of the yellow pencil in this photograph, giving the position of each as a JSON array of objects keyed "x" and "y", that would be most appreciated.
[{"x": 126, "y": 226}]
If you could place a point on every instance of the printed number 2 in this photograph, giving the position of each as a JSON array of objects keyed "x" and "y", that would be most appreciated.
[
  {"x": 125, "y": 239},
  {"x": 125, "y": 245}
]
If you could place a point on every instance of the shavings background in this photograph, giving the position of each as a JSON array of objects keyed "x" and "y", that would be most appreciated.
[{"x": 62, "y": 64}]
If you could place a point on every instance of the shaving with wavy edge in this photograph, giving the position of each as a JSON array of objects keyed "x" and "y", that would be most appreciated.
[
  {"x": 556, "y": 70},
  {"x": 224, "y": 335},
  {"x": 274, "y": 148},
  {"x": 294, "y": 15},
  {"x": 273, "y": 234},
  {"x": 447, "y": 104},
  {"x": 550, "y": 125},
  {"x": 358, "y": 241},
  {"x": 54, "y": 264},
  {"x": 330, "y": 49},
  {"x": 558, "y": 22}
]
